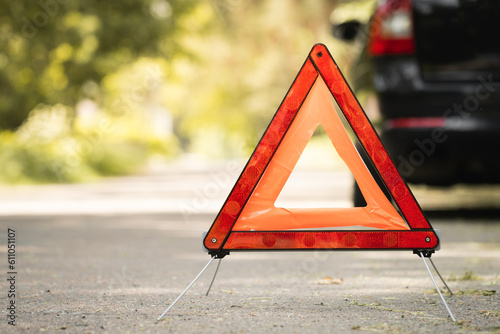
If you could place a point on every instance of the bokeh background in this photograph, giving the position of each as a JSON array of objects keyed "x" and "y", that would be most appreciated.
[
  {"x": 175, "y": 95},
  {"x": 91, "y": 88}
]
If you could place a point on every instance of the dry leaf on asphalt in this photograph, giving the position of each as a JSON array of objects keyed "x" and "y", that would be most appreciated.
[{"x": 329, "y": 280}]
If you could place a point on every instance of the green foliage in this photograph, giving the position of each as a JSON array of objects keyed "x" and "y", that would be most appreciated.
[
  {"x": 116, "y": 158},
  {"x": 247, "y": 63},
  {"x": 55, "y": 54},
  {"x": 55, "y": 51},
  {"x": 92, "y": 88},
  {"x": 45, "y": 149}
]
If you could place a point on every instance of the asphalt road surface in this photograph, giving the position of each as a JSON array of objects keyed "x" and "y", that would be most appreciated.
[{"x": 110, "y": 256}]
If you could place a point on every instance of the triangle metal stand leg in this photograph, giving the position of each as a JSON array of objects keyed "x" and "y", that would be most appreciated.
[
  {"x": 213, "y": 279},
  {"x": 185, "y": 290},
  {"x": 442, "y": 280},
  {"x": 437, "y": 288}
]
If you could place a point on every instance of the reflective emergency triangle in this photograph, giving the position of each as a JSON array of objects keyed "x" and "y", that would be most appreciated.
[{"x": 249, "y": 220}]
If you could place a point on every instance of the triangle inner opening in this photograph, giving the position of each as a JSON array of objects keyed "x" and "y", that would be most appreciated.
[{"x": 319, "y": 177}]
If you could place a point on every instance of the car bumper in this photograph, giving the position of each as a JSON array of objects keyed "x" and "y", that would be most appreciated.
[{"x": 452, "y": 153}]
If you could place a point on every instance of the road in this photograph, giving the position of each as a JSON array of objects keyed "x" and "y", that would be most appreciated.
[{"x": 109, "y": 257}]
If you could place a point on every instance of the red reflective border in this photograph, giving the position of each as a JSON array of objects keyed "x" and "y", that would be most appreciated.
[
  {"x": 367, "y": 136},
  {"x": 334, "y": 240}
]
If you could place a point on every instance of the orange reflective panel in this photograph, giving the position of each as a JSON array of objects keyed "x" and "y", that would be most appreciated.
[
  {"x": 249, "y": 219},
  {"x": 261, "y": 214}
]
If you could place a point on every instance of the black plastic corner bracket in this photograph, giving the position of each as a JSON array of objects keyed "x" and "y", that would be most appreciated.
[
  {"x": 425, "y": 252},
  {"x": 219, "y": 254}
]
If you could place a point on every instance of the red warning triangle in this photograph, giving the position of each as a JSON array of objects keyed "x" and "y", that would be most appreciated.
[{"x": 249, "y": 219}]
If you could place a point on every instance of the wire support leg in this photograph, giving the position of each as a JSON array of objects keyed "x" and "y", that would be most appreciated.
[
  {"x": 185, "y": 290},
  {"x": 437, "y": 288},
  {"x": 442, "y": 280},
  {"x": 213, "y": 278}
]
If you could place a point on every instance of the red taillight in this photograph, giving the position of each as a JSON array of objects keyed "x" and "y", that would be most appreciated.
[{"x": 391, "y": 30}]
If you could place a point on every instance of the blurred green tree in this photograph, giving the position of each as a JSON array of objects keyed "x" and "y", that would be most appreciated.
[
  {"x": 58, "y": 51},
  {"x": 250, "y": 58}
]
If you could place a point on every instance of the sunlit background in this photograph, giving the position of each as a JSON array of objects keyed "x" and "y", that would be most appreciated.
[
  {"x": 90, "y": 89},
  {"x": 95, "y": 89}
]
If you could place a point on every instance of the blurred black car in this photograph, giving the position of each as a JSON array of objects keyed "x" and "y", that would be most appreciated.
[{"x": 435, "y": 66}]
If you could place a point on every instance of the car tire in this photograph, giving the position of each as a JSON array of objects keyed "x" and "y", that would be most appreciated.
[{"x": 357, "y": 197}]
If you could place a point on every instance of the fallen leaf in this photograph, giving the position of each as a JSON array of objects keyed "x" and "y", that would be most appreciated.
[{"x": 329, "y": 280}]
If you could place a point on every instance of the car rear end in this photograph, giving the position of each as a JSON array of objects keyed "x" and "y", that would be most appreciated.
[{"x": 436, "y": 67}]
